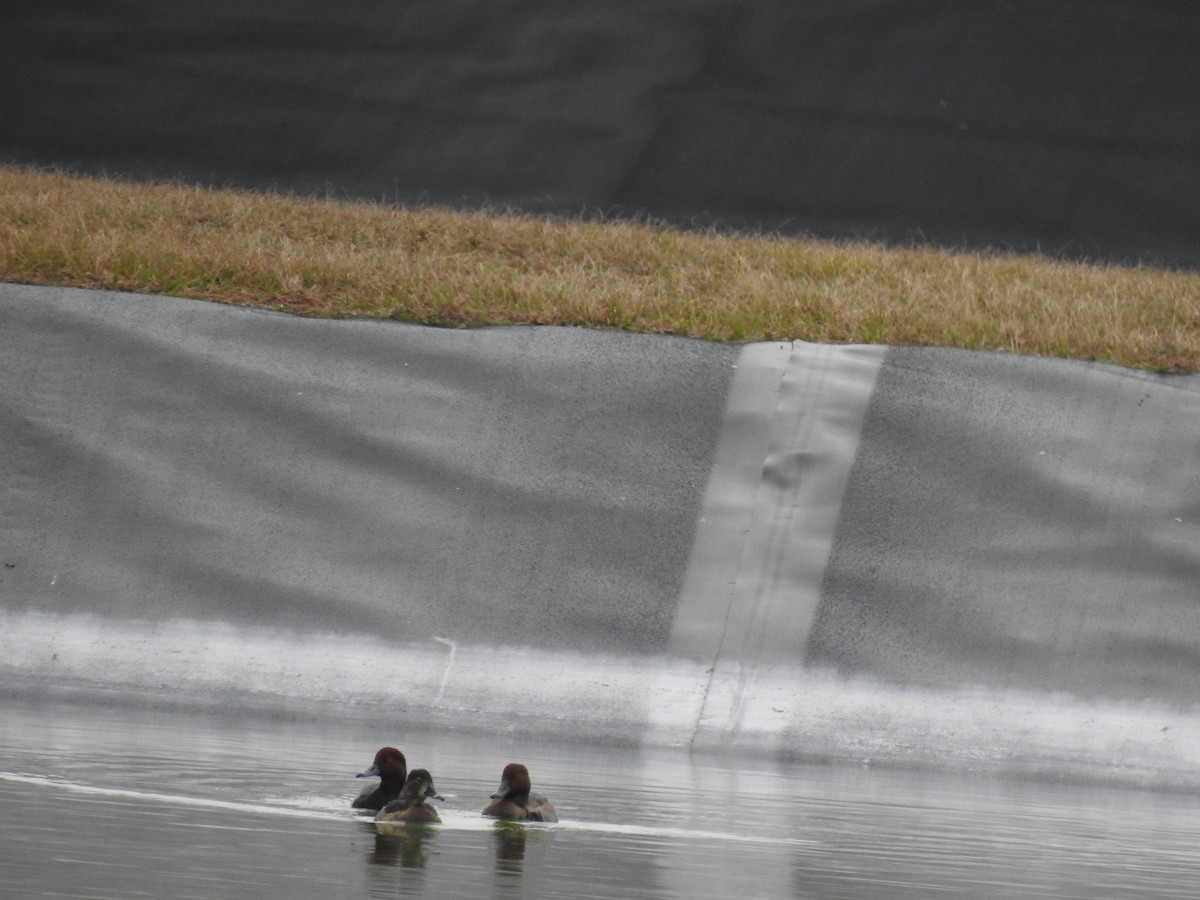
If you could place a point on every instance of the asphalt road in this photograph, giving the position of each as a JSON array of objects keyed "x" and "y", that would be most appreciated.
[{"x": 1063, "y": 126}]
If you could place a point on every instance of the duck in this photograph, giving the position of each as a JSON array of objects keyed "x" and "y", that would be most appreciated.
[
  {"x": 391, "y": 769},
  {"x": 514, "y": 799},
  {"x": 410, "y": 806}
]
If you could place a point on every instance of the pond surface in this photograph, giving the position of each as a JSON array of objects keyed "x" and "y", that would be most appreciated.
[{"x": 107, "y": 803}]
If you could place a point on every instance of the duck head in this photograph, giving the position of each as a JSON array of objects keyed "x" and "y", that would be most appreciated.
[
  {"x": 514, "y": 784},
  {"x": 389, "y": 765},
  {"x": 418, "y": 786}
]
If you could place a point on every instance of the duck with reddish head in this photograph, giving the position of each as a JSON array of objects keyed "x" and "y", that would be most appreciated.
[
  {"x": 514, "y": 799},
  {"x": 391, "y": 770},
  {"x": 410, "y": 806}
]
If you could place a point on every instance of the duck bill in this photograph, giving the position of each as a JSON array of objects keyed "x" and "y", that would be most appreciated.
[
  {"x": 372, "y": 772},
  {"x": 502, "y": 791}
]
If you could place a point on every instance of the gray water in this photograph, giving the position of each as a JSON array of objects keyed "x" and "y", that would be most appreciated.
[{"x": 105, "y": 802}]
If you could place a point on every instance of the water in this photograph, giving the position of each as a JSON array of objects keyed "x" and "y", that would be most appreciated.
[{"x": 105, "y": 802}]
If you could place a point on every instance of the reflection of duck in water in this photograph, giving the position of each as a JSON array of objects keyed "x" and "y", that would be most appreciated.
[
  {"x": 510, "y": 841},
  {"x": 514, "y": 799},
  {"x": 399, "y": 844},
  {"x": 391, "y": 770},
  {"x": 410, "y": 806}
]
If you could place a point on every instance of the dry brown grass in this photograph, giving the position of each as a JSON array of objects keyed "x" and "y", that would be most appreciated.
[{"x": 426, "y": 265}]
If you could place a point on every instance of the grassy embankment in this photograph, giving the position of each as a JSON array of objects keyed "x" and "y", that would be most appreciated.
[{"x": 319, "y": 257}]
